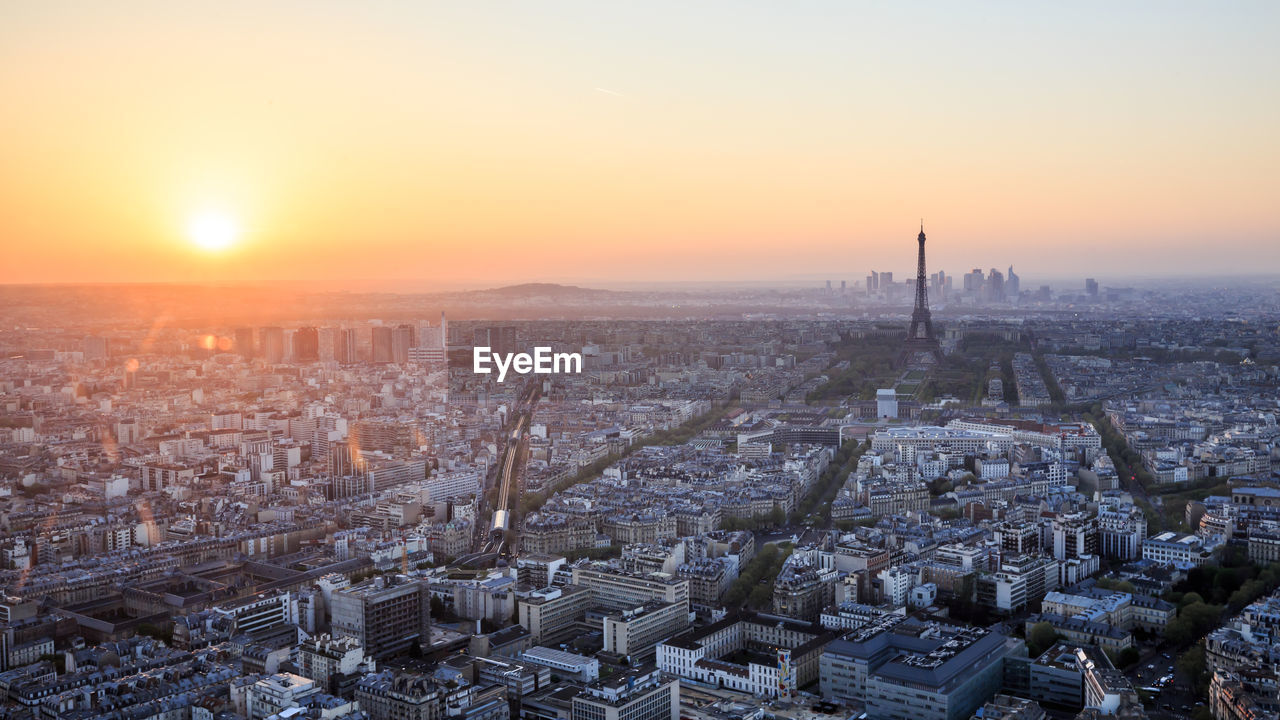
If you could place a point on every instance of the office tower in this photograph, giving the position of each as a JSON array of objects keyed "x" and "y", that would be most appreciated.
[
  {"x": 403, "y": 337},
  {"x": 828, "y": 287},
  {"x": 430, "y": 338},
  {"x": 973, "y": 281},
  {"x": 995, "y": 286},
  {"x": 430, "y": 344},
  {"x": 387, "y": 614},
  {"x": 1091, "y": 288},
  {"x": 328, "y": 342},
  {"x": 502, "y": 340},
  {"x": 382, "y": 345},
  {"x": 244, "y": 341},
  {"x": 444, "y": 331},
  {"x": 507, "y": 339},
  {"x": 306, "y": 344},
  {"x": 1011, "y": 284},
  {"x": 128, "y": 432},
  {"x": 345, "y": 347},
  {"x": 843, "y": 287},
  {"x": 94, "y": 347},
  {"x": 921, "y": 346},
  {"x": 271, "y": 343},
  {"x": 873, "y": 283}
]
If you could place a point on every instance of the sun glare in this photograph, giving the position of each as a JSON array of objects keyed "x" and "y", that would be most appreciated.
[{"x": 213, "y": 231}]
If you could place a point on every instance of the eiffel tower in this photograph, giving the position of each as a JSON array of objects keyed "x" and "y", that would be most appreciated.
[{"x": 921, "y": 348}]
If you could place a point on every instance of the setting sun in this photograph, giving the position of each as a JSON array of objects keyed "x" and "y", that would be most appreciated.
[{"x": 213, "y": 231}]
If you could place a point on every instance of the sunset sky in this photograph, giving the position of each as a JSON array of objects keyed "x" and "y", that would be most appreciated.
[{"x": 484, "y": 143}]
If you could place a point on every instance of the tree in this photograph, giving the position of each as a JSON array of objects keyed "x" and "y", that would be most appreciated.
[
  {"x": 1192, "y": 665},
  {"x": 1128, "y": 657},
  {"x": 1117, "y": 585},
  {"x": 777, "y": 516},
  {"x": 1193, "y": 621},
  {"x": 1041, "y": 637},
  {"x": 59, "y": 661}
]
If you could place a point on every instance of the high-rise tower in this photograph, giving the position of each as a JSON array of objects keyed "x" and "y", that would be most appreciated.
[{"x": 921, "y": 346}]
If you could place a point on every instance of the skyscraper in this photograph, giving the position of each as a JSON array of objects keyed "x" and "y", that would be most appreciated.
[
  {"x": 501, "y": 340},
  {"x": 306, "y": 344},
  {"x": 94, "y": 347},
  {"x": 973, "y": 281},
  {"x": 345, "y": 347},
  {"x": 382, "y": 345},
  {"x": 271, "y": 344},
  {"x": 995, "y": 286},
  {"x": 403, "y": 337},
  {"x": 244, "y": 341}
]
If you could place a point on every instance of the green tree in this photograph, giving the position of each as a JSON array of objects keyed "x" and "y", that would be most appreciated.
[
  {"x": 1117, "y": 585},
  {"x": 777, "y": 516},
  {"x": 1040, "y": 637},
  {"x": 1193, "y": 667},
  {"x": 1193, "y": 621}
]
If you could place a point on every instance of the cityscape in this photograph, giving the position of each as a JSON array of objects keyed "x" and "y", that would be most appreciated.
[{"x": 444, "y": 363}]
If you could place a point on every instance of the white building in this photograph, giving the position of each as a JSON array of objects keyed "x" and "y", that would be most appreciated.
[
  {"x": 896, "y": 584},
  {"x": 566, "y": 664},
  {"x": 1184, "y": 551},
  {"x": 907, "y": 442},
  {"x": 277, "y": 692},
  {"x": 453, "y": 485}
]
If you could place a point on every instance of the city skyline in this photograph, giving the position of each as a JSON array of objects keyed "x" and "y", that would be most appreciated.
[
  {"x": 579, "y": 143},
  {"x": 599, "y": 361}
]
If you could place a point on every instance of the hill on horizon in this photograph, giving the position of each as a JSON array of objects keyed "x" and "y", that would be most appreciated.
[{"x": 542, "y": 290}]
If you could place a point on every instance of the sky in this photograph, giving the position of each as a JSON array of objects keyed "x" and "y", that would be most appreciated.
[{"x": 436, "y": 144}]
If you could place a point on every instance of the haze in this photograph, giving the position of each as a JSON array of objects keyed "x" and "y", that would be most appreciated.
[{"x": 556, "y": 141}]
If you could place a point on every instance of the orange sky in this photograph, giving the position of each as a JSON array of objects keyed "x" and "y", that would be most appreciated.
[{"x": 471, "y": 143}]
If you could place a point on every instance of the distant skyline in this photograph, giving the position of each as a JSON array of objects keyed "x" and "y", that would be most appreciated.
[{"x": 474, "y": 145}]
